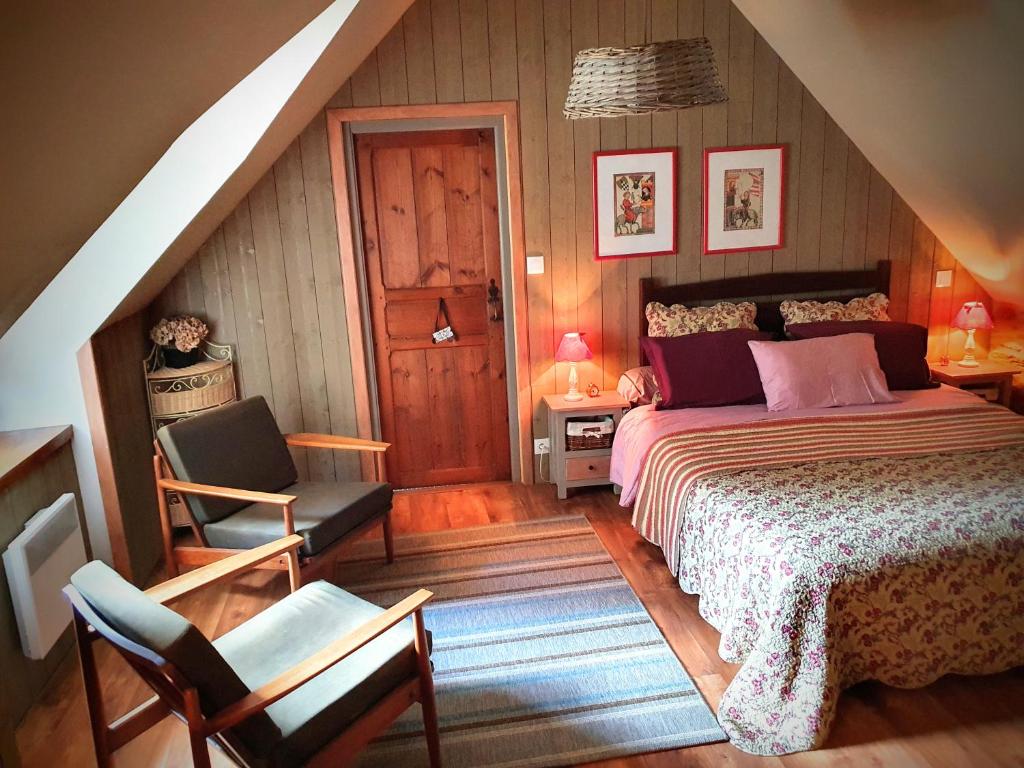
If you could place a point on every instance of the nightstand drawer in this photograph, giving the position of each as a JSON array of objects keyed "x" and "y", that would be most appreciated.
[{"x": 587, "y": 468}]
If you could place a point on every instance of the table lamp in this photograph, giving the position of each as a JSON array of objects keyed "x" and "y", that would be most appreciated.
[
  {"x": 572, "y": 350},
  {"x": 971, "y": 317}
]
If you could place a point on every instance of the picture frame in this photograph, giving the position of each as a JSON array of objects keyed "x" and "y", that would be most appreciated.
[
  {"x": 635, "y": 202},
  {"x": 744, "y": 198}
]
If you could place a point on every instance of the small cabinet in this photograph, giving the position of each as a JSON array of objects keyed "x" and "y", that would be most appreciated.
[
  {"x": 582, "y": 459},
  {"x": 180, "y": 393}
]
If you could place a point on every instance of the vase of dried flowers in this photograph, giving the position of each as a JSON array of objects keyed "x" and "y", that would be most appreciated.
[{"x": 180, "y": 337}]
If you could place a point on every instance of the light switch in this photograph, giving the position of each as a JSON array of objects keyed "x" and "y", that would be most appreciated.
[
  {"x": 535, "y": 264},
  {"x": 944, "y": 278}
]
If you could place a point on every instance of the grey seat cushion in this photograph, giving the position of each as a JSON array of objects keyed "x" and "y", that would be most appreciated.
[
  {"x": 236, "y": 445},
  {"x": 324, "y": 512},
  {"x": 168, "y": 634},
  {"x": 295, "y": 628}
]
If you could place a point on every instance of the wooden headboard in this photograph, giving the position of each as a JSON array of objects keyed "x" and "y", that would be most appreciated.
[{"x": 767, "y": 291}]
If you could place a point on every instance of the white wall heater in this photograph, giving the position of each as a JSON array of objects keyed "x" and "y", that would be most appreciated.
[{"x": 39, "y": 562}]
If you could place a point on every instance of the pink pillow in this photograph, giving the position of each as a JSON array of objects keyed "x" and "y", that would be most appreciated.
[{"x": 820, "y": 373}]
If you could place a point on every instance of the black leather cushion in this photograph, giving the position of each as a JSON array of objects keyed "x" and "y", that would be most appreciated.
[
  {"x": 237, "y": 445},
  {"x": 324, "y": 512},
  {"x": 156, "y": 627}
]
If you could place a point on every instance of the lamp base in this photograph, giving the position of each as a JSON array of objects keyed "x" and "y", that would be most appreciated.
[
  {"x": 573, "y": 395},
  {"x": 969, "y": 361}
]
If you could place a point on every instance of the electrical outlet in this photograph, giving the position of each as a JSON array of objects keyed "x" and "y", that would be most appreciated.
[{"x": 541, "y": 445}]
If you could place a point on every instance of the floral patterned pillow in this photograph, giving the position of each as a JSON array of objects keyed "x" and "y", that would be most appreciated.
[
  {"x": 677, "y": 320},
  {"x": 871, "y": 307}
]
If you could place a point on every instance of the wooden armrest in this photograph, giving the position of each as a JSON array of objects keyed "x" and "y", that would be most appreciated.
[
  {"x": 222, "y": 569},
  {"x": 319, "y": 662},
  {"x": 337, "y": 442},
  {"x": 221, "y": 492}
]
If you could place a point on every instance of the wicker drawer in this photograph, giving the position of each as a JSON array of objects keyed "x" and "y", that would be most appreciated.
[{"x": 595, "y": 467}]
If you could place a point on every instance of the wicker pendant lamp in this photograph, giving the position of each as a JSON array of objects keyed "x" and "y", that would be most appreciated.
[{"x": 653, "y": 77}]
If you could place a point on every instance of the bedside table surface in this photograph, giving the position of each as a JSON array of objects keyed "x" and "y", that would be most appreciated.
[
  {"x": 986, "y": 370},
  {"x": 606, "y": 400}
]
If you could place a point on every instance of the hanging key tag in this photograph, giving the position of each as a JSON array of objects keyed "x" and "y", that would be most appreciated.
[{"x": 443, "y": 333}]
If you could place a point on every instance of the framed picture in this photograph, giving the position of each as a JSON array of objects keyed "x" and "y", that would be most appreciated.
[
  {"x": 634, "y": 203},
  {"x": 743, "y": 198}
]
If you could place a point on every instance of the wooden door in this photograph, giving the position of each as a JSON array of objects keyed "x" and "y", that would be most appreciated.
[{"x": 430, "y": 231}]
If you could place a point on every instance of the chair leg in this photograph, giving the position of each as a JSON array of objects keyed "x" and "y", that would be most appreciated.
[
  {"x": 166, "y": 528},
  {"x": 427, "y": 701},
  {"x": 196, "y": 734},
  {"x": 389, "y": 543},
  {"x": 93, "y": 696},
  {"x": 294, "y": 571}
]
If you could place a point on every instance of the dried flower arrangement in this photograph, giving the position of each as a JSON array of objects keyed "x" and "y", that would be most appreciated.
[
  {"x": 179, "y": 334},
  {"x": 184, "y": 332}
]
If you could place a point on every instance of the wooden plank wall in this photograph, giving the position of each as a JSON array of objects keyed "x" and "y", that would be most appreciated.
[
  {"x": 268, "y": 281},
  {"x": 268, "y": 278},
  {"x": 24, "y": 680}
]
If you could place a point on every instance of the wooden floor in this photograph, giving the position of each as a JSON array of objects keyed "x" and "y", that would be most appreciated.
[{"x": 957, "y": 721}]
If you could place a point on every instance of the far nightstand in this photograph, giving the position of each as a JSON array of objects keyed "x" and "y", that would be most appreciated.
[
  {"x": 986, "y": 375},
  {"x": 576, "y": 468}
]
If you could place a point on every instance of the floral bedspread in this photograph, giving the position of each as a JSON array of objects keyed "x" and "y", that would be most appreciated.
[{"x": 819, "y": 575}]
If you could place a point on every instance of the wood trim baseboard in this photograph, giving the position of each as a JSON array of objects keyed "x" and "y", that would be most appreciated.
[{"x": 349, "y": 237}]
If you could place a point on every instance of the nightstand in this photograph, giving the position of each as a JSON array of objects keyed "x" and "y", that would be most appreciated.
[
  {"x": 987, "y": 375},
  {"x": 584, "y": 466}
]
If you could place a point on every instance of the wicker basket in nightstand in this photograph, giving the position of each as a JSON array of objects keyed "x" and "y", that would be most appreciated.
[
  {"x": 588, "y": 442},
  {"x": 179, "y": 393}
]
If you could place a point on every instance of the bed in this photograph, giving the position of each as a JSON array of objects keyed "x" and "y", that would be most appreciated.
[{"x": 831, "y": 546}]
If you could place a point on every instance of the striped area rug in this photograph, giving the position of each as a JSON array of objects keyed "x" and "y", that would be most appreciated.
[{"x": 543, "y": 654}]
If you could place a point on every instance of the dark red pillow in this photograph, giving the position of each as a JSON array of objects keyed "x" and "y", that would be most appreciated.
[
  {"x": 702, "y": 370},
  {"x": 901, "y": 347}
]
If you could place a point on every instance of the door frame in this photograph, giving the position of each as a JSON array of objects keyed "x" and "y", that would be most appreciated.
[{"x": 340, "y": 123}]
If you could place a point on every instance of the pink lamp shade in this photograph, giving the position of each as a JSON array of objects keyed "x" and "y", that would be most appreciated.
[
  {"x": 573, "y": 349},
  {"x": 972, "y": 316}
]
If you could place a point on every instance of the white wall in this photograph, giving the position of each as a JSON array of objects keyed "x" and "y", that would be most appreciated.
[
  {"x": 39, "y": 380},
  {"x": 929, "y": 91}
]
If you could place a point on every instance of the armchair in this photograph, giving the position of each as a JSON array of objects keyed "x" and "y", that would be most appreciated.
[
  {"x": 309, "y": 681},
  {"x": 233, "y": 470}
]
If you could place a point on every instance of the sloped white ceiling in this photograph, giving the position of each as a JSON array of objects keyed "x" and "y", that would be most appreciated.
[
  {"x": 93, "y": 94},
  {"x": 930, "y": 92}
]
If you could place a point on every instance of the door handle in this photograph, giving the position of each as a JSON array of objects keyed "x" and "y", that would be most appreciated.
[{"x": 494, "y": 302}]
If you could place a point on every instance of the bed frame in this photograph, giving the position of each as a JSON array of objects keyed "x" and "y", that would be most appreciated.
[{"x": 767, "y": 291}]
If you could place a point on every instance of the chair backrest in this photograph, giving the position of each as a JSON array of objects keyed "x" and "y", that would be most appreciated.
[
  {"x": 236, "y": 445},
  {"x": 152, "y": 636}
]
